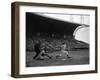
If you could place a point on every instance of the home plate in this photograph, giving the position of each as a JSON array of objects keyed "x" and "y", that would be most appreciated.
[
  {"x": 63, "y": 59},
  {"x": 66, "y": 58}
]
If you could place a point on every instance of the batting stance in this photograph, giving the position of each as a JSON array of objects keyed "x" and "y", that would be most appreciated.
[{"x": 64, "y": 51}]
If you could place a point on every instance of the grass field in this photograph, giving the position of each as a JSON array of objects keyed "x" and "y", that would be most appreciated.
[{"x": 79, "y": 57}]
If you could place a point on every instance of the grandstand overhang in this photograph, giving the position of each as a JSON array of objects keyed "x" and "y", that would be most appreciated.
[{"x": 38, "y": 23}]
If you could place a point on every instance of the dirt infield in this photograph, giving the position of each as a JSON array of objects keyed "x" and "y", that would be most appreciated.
[{"x": 79, "y": 57}]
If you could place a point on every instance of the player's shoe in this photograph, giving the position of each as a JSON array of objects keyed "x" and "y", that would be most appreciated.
[
  {"x": 68, "y": 56},
  {"x": 39, "y": 59}
]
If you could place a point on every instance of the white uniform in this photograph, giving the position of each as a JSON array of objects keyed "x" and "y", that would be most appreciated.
[{"x": 63, "y": 49}]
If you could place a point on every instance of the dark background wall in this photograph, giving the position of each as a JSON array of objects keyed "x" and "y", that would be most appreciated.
[{"x": 37, "y": 23}]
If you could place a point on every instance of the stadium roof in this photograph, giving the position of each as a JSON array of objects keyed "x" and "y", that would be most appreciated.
[{"x": 37, "y": 23}]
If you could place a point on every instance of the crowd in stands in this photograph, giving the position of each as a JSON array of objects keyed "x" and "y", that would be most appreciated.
[{"x": 54, "y": 44}]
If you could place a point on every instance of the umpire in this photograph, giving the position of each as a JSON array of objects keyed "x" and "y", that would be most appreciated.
[{"x": 37, "y": 49}]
